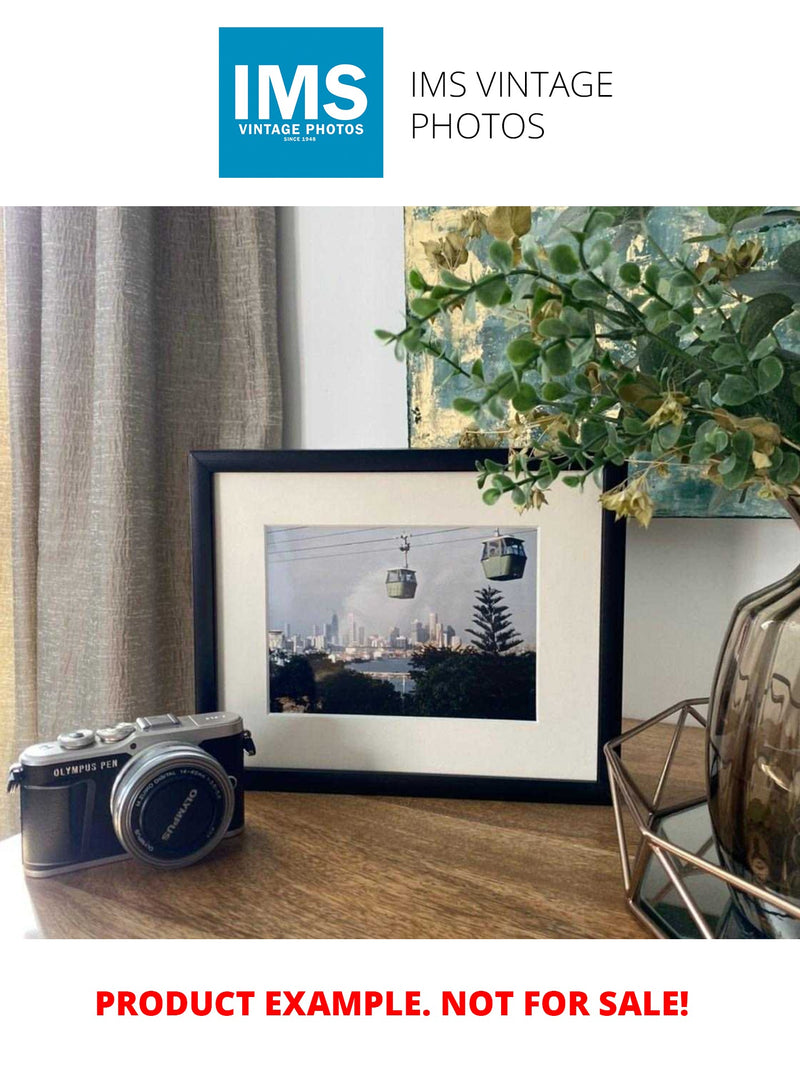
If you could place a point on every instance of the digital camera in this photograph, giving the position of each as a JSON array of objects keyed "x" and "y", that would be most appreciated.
[{"x": 164, "y": 789}]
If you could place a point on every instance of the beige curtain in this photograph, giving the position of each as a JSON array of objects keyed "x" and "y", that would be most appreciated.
[
  {"x": 8, "y": 731},
  {"x": 133, "y": 336}
]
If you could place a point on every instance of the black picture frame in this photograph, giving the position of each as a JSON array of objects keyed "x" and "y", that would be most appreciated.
[{"x": 204, "y": 465}]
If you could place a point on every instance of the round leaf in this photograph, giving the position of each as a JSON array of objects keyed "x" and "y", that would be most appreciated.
[
  {"x": 630, "y": 273},
  {"x": 558, "y": 358},
  {"x": 521, "y": 351},
  {"x": 500, "y": 255},
  {"x": 525, "y": 398},
  {"x": 598, "y": 253},
  {"x": 423, "y": 306},
  {"x": 564, "y": 260},
  {"x": 770, "y": 374},
  {"x": 735, "y": 389}
]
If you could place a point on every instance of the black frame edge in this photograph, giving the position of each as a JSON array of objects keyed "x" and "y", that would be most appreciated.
[{"x": 204, "y": 464}]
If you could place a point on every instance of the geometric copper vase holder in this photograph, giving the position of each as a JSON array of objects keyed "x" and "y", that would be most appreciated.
[{"x": 663, "y": 865}]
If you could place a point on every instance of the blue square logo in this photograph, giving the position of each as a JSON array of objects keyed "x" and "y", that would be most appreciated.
[{"x": 300, "y": 103}]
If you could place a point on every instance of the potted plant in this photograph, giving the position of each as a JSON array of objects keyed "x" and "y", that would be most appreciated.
[{"x": 692, "y": 360}]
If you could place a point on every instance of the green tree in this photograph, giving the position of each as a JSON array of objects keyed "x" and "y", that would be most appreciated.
[
  {"x": 351, "y": 693},
  {"x": 469, "y": 684},
  {"x": 494, "y": 633},
  {"x": 292, "y": 681}
]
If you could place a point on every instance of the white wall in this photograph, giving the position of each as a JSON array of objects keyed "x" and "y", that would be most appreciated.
[{"x": 341, "y": 275}]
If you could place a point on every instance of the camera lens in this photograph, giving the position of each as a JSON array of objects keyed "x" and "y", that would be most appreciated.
[{"x": 172, "y": 804}]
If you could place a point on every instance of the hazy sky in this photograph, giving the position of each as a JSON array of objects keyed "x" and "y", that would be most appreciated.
[{"x": 313, "y": 571}]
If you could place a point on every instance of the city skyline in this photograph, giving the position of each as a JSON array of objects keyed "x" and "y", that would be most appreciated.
[{"x": 318, "y": 574}]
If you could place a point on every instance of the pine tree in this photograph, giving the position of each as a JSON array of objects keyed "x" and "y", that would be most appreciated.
[{"x": 494, "y": 633}]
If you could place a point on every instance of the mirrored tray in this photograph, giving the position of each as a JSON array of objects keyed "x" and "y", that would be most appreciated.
[{"x": 671, "y": 871}]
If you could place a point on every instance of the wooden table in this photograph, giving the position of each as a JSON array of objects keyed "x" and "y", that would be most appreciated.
[{"x": 313, "y": 866}]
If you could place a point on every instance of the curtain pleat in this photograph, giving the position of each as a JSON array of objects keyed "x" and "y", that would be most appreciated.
[
  {"x": 134, "y": 335},
  {"x": 8, "y": 732}
]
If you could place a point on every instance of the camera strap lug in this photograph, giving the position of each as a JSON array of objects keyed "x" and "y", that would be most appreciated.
[
  {"x": 247, "y": 743},
  {"x": 15, "y": 772}
]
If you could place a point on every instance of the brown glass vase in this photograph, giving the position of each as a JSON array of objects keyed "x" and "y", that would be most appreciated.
[{"x": 753, "y": 749}]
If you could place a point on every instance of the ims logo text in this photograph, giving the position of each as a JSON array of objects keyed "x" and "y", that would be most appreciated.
[{"x": 301, "y": 103}]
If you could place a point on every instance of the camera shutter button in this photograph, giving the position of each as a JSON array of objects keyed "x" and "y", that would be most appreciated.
[
  {"x": 76, "y": 739},
  {"x": 109, "y": 734}
]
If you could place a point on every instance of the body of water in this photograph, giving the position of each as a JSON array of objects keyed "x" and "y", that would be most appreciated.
[{"x": 394, "y": 670}]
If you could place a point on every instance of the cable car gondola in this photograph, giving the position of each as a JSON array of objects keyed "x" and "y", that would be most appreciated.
[
  {"x": 503, "y": 558},
  {"x": 401, "y": 583}
]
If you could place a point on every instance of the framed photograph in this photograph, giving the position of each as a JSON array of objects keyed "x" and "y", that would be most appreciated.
[{"x": 381, "y": 630}]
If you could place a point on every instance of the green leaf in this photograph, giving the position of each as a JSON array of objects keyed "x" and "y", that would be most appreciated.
[
  {"x": 684, "y": 280},
  {"x": 384, "y": 335},
  {"x": 412, "y": 339},
  {"x": 630, "y": 273},
  {"x": 521, "y": 351},
  {"x": 465, "y": 405},
  {"x": 530, "y": 251},
  {"x": 735, "y": 389},
  {"x": 770, "y": 374},
  {"x": 586, "y": 289},
  {"x": 500, "y": 255},
  {"x": 652, "y": 276},
  {"x": 476, "y": 370},
  {"x": 743, "y": 444},
  {"x": 563, "y": 259},
  {"x": 518, "y": 497},
  {"x": 633, "y": 426},
  {"x": 654, "y": 354},
  {"x": 599, "y": 220},
  {"x": 734, "y": 477},
  {"x": 727, "y": 355},
  {"x": 558, "y": 358},
  {"x": 729, "y": 216},
  {"x": 423, "y": 306},
  {"x": 598, "y": 253},
  {"x": 789, "y": 470},
  {"x": 453, "y": 280},
  {"x": 415, "y": 279},
  {"x": 789, "y": 259},
  {"x": 553, "y": 391},
  {"x": 553, "y": 328},
  {"x": 525, "y": 398},
  {"x": 668, "y": 435},
  {"x": 492, "y": 292},
  {"x": 761, "y": 314},
  {"x": 491, "y": 496}
]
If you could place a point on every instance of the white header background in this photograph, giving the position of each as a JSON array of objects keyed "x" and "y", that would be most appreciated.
[
  {"x": 113, "y": 104},
  {"x": 105, "y": 104}
]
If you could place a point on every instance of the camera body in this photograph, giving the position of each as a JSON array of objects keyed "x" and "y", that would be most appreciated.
[{"x": 165, "y": 789}]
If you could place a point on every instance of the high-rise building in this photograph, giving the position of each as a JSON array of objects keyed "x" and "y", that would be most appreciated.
[
  {"x": 433, "y": 622},
  {"x": 351, "y": 628},
  {"x": 361, "y": 635},
  {"x": 335, "y": 628}
]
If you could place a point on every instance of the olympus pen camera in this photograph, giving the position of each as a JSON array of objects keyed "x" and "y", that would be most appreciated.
[{"x": 163, "y": 789}]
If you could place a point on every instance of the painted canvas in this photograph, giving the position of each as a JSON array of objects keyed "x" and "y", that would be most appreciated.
[{"x": 456, "y": 237}]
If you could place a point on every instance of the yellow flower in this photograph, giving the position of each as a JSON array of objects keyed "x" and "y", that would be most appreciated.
[
  {"x": 473, "y": 222},
  {"x": 449, "y": 251},
  {"x": 670, "y": 410},
  {"x": 632, "y": 501},
  {"x": 734, "y": 260}
]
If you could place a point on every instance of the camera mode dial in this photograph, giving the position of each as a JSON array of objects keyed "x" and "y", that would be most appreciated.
[{"x": 76, "y": 739}]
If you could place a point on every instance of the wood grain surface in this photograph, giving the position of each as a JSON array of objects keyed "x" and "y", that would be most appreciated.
[{"x": 314, "y": 866}]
